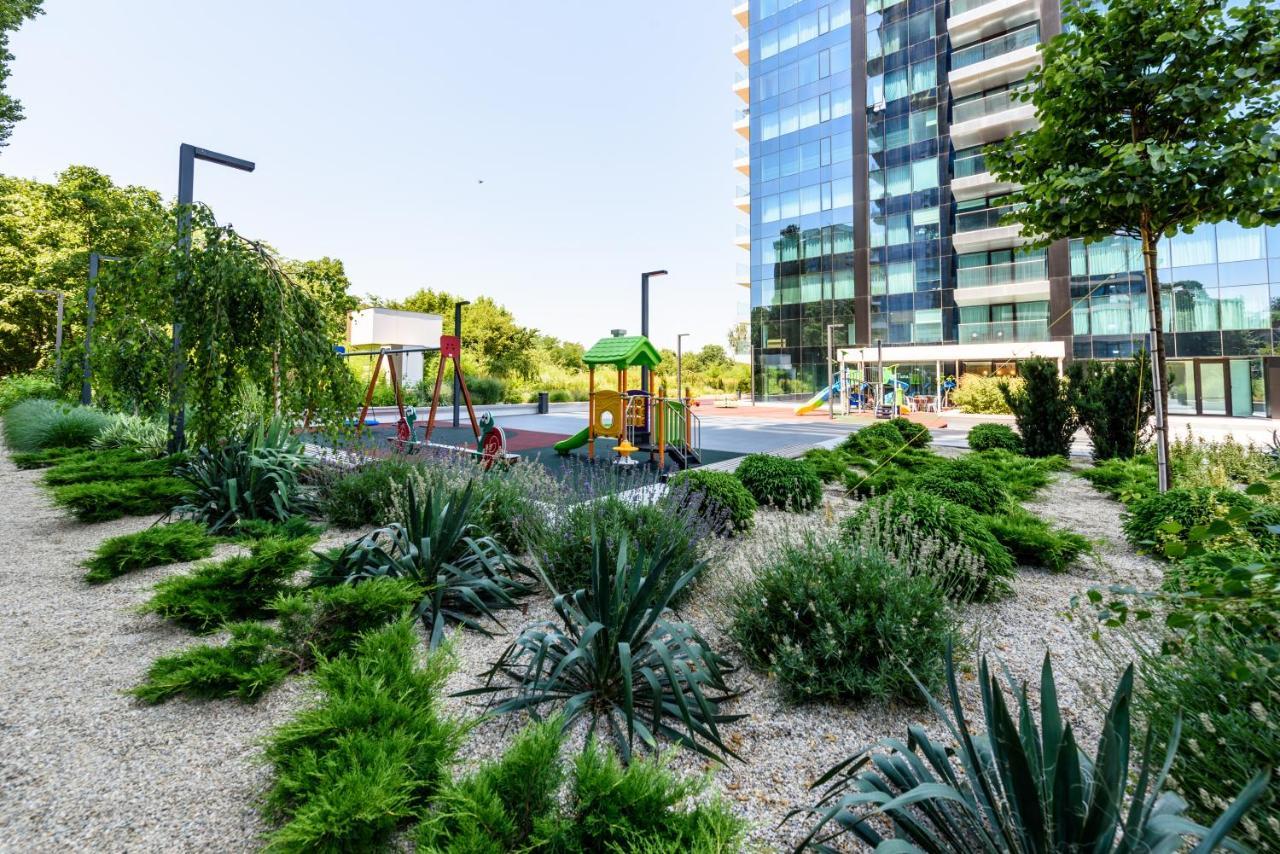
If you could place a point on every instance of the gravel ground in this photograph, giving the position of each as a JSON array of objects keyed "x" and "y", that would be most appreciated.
[{"x": 82, "y": 765}]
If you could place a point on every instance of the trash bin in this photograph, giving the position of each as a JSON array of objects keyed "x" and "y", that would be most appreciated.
[{"x": 544, "y": 403}]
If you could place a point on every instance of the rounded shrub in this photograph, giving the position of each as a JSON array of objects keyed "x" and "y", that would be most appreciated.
[
  {"x": 913, "y": 434},
  {"x": 720, "y": 497},
  {"x": 559, "y": 395},
  {"x": 783, "y": 483},
  {"x": 928, "y": 535},
  {"x": 882, "y": 435},
  {"x": 964, "y": 482},
  {"x": 486, "y": 391},
  {"x": 1148, "y": 522},
  {"x": 986, "y": 437},
  {"x": 37, "y": 424},
  {"x": 838, "y": 623}
]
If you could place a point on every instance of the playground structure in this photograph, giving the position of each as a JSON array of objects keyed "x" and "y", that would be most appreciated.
[
  {"x": 854, "y": 393},
  {"x": 641, "y": 420},
  {"x": 491, "y": 441}
]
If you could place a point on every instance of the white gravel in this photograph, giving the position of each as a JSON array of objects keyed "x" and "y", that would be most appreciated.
[{"x": 84, "y": 766}]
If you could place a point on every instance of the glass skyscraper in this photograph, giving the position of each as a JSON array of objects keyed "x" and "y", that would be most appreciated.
[{"x": 873, "y": 217}]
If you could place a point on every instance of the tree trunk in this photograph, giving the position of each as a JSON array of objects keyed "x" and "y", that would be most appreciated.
[{"x": 1160, "y": 385}]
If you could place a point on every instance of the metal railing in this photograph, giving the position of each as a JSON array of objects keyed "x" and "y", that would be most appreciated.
[
  {"x": 987, "y": 105},
  {"x": 741, "y": 192},
  {"x": 985, "y": 218},
  {"x": 998, "y": 46},
  {"x": 959, "y": 7},
  {"x": 1001, "y": 331},
  {"x": 1016, "y": 272},
  {"x": 681, "y": 428}
]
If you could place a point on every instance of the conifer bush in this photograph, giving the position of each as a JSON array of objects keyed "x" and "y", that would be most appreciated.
[
  {"x": 1042, "y": 408},
  {"x": 158, "y": 545},
  {"x": 984, "y": 437},
  {"x": 780, "y": 482}
]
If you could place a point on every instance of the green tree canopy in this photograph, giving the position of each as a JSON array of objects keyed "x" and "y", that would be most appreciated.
[
  {"x": 1154, "y": 117},
  {"x": 492, "y": 341},
  {"x": 13, "y": 13},
  {"x": 46, "y": 234}
]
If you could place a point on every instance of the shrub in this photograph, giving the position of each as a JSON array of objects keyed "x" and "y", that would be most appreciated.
[
  {"x": 156, "y": 546},
  {"x": 511, "y": 805},
  {"x": 913, "y": 434},
  {"x": 1222, "y": 462},
  {"x": 49, "y": 457},
  {"x": 830, "y": 464},
  {"x": 256, "y": 476},
  {"x": 1161, "y": 523},
  {"x": 668, "y": 524},
  {"x": 1042, "y": 408},
  {"x": 147, "y": 436},
  {"x": 108, "y": 465},
  {"x": 1021, "y": 477},
  {"x": 238, "y": 588},
  {"x": 1032, "y": 541},
  {"x": 37, "y": 424},
  {"x": 985, "y": 437},
  {"x": 293, "y": 528},
  {"x": 1124, "y": 480},
  {"x": 1211, "y": 567},
  {"x": 963, "y": 481},
  {"x": 246, "y": 666},
  {"x": 833, "y": 623},
  {"x": 1114, "y": 404},
  {"x": 1223, "y": 691},
  {"x": 350, "y": 771},
  {"x": 328, "y": 621},
  {"x": 873, "y": 439},
  {"x": 720, "y": 496},
  {"x": 463, "y": 578},
  {"x": 1011, "y": 796},
  {"x": 931, "y": 536},
  {"x": 16, "y": 388},
  {"x": 786, "y": 484},
  {"x": 981, "y": 395},
  {"x": 486, "y": 391},
  {"x": 359, "y": 497},
  {"x": 654, "y": 676},
  {"x": 559, "y": 395},
  {"x": 103, "y": 500}
]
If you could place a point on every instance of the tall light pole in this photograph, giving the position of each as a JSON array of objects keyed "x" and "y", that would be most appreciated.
[
  {"x": 57, "y": 346},
  {"x": 457, "y": 331},
  {"x": 831, "y": 391},
  {"x": 680, "y": 365},
  {"x": 187, "y": 157},
  {"x": 644, "y": 321},
  {"x": 91, "y": 304}
]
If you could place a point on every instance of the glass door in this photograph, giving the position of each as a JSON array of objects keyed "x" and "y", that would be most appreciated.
[
  {"x": 1241, "y": 388},
  {"x": 1213, "y": 388},
  {"x": 1182, "y": 387}
]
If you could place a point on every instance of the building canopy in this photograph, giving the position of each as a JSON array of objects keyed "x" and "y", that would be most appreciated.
[{"x": 625, "y": 351}]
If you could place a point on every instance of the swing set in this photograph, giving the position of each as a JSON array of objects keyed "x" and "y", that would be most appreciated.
[{"x": 491, "y": 441}]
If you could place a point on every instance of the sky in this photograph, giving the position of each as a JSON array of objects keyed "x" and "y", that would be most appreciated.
[{"x": 601, "y": 131}]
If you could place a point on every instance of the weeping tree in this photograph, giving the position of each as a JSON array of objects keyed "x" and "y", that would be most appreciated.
[
  {"x": 1155, "y": 117},
  {"x": 253, "y": 337}
]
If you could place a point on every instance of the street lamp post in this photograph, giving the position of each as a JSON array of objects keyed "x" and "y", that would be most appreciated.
[
  {"x": 57, "y": 342},
  {"x": 457, "y": 381},
  {"x": 680, "y": 364},
  {"x": 644, "y": 320},
  {"x": 187, "y": 157},
  {"x": 831, "y": 392},
  {"x": 91, "y": 305}
]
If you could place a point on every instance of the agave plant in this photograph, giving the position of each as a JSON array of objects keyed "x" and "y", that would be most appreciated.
[
  {"x": 464, "y": 575},
  {"x": 1016, "y": 788},
  {"x": 617, "y": 657},
  {"x": 255, "y": 476}
]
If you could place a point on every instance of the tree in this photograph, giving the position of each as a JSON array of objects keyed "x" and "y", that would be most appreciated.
[
  {"x": 491, "y": 339},
  {"x": 46, "y": 234},
  {"x": 12, "y": 15},
  {"x": 709, "y": 358},
  {"x": 1113, "y": 402},
  {"x": 739, "y": 337},
  {"x": 1155, "y": 117},
  {"x": 1042, "y": 408}
]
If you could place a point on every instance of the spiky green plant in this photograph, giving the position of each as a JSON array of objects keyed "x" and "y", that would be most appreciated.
[
  {"x": 1018, "y": 787},
  {"x": 155, "y": 546},
  {"x": 617, "y": 657},
  {"x": 465, "y": 577}
]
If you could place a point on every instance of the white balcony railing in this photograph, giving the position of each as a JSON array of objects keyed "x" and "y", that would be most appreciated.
[
  {"x": 1002, "y": 331},
  {"x": 1017, "y": 272}
]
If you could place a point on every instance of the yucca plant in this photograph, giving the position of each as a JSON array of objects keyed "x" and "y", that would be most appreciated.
[
  {"x": 618, "y": 658},
  {"x": 256, "y": 476},
  {"x": 1017, "y": 787},
  {"x": 465, "y": 575}
]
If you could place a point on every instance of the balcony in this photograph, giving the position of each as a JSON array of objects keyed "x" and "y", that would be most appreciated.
[
  {"x": 1019, "y": 281},
  {"x": 1002, "y": 332},
  {"x": 742, "y": 13},
  {"x": 742, "y": 161},
  {"x": 742, "y": 48},
  {"x": 982, "y": 230},
  {"x": 742, "y": 199},
  {"x": 998, "y": 61},
  {"x": 972, "y": 20},
  {"x": 742, "y": 123},
  {"x": 743, "y": 238},
  {"x": 990, "y": 118},
  {"x": 971, "y": 180},
  {"x": 743, "y": 275},
  {"x": 742, "y": 86}
]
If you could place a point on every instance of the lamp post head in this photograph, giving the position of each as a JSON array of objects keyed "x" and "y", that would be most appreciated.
[{"x": 653, "y": 273}]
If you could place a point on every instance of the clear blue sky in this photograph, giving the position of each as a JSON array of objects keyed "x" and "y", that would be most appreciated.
[{"x": 601, "y": 130}]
